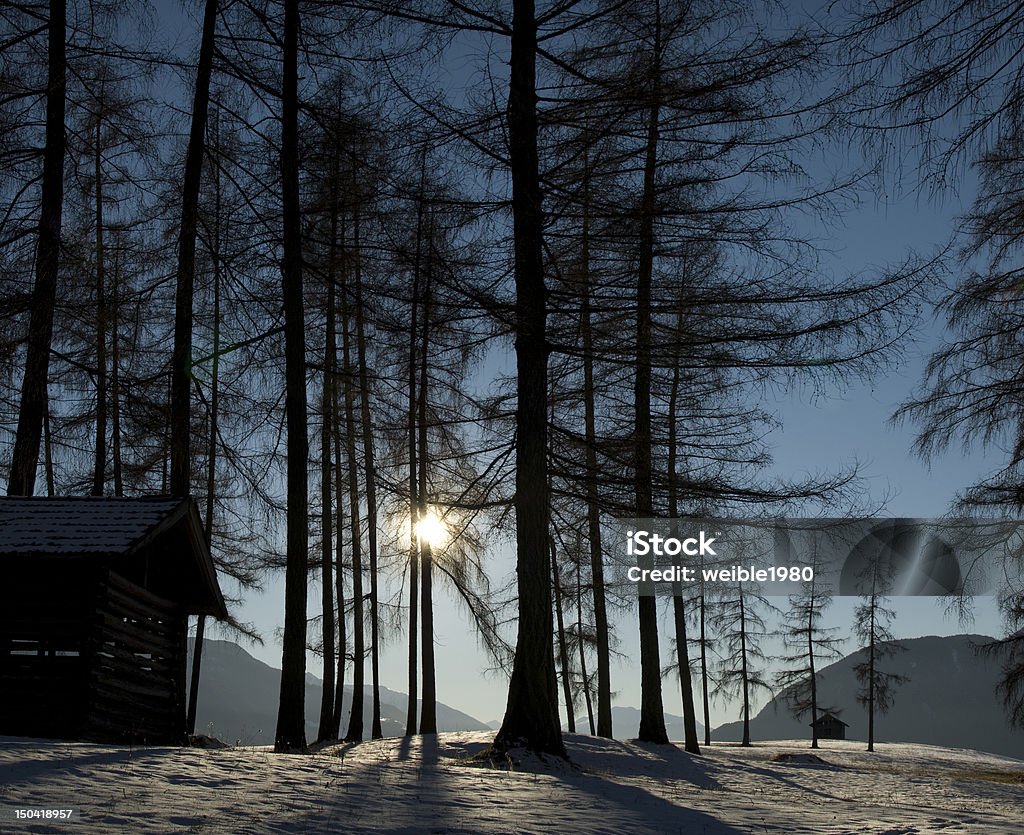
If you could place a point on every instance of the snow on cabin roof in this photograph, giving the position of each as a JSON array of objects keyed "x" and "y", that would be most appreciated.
[
  {"x": 82, "y": 525},
  {"x": 826, "y": 716}
]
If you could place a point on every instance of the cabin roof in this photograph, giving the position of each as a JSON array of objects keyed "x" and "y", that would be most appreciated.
[
  {"x": 827, "y": 716},
  {"x": 82, "y": 525},
  {"x": 104, "y": 527}
]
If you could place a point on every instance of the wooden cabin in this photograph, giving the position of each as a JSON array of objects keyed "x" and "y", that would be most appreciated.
[
  {"x": 829, "y": 726},
  {"x": 95, "y": 595}
]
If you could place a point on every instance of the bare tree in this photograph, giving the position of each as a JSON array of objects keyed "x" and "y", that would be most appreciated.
[
  {"x": 871, "y": 624},
  {"x": 679, "y": 614},
  {"x": 181, "y": 362},
  {"x": 531, "y": 715},
  {"x": 808, "y": 643},
  {"x": 291, "y": 722},
  {"x": 944, "y": 80},
  {"x": 327, "y": 728},
  {"x": 743, "y": 632},
  {"x": 33, "y": 404}
]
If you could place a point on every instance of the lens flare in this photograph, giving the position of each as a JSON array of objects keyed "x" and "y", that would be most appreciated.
[{"x": 432, "y": 531}]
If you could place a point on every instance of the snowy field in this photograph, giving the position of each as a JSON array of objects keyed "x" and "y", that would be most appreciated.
[{"x": 434, "y": 786}]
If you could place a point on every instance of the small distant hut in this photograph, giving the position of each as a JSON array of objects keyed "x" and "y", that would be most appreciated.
[
  {"x": 95, "y": 595},
  {"x": 829, "y": 726}
]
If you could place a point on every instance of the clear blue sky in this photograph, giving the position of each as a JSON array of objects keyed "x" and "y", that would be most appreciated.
[{"x": 823, "y": 435}]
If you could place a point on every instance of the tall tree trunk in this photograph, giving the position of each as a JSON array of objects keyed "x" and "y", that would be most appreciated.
[
  {"x": 48, "y": 451},
  {"x": 652, "y": 715},
  {"x": 330, "y": 490},
  {"x": 339, "y": 550},
  {"x": 678, "y": 605},
  {"x": 181, "y": 361},
  {"x": 370, "y": 479},
  {"x": 428, "y": 708},
  {"x": 705, "y": 697},
  {"x": 810, "y": 664},
  {"x": 32, "y": 407},
  {"x": 326, "y": 729},
  {"x": 211, "y": 458},
  {"x": 743, "y": 671},
  {"x": 355, "y": 722},
  {"x": 115, "y": 377},
  {"x": 211, "y": 449},
  {"x": 165, "y": 460},
  {"x": 531, "y": 715},
  {"x": 563, "y": 647},
  {"x": 414, "y": 507},
  {"x": 582, "y": 648},
  {"x": 871, "y": 676},
  {"x": 99, "y": 475},
  {"x": 814, "y": 693},
  {"x": 197, "y": 669},
  {"x": 291, "y": 720},
  {"x": 340, "y": 483},
  {"x": 604, "y": 685}
]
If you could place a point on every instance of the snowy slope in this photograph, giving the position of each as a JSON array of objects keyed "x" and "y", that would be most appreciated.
[
  {"x": 949, "y": 699},
  {"x": 430, "y": 786}
]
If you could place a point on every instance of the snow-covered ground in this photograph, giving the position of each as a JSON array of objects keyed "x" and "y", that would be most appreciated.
[{"x": 430, "y": 785}]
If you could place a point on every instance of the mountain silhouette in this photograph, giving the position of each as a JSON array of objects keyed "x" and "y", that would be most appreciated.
[
  {"x": 626, "y": 724},
  {"x": 238, "y": 697},
  {"x": 949, "y": 699}
]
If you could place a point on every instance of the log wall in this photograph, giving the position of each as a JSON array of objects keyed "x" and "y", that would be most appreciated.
[
  {"x": 132, "y": 688},
  {"x": 87, "y": 654}
]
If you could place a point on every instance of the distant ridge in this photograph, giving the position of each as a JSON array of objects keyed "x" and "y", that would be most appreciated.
[
  {"x": 626, "y": 724},
  {"x": 949, "y": 700},
  {"x": 238, "y": 697}
]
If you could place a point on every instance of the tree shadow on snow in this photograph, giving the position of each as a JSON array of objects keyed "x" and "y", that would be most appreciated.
[
  {"x": 429, "y": 788},
  {"x": 423, "y": 748},
  {"x": 652, "y": 813},
  {"x": 69, "y": 761},
  {"x": 779, "y": 777},
  {"x": 640, "y": 759}
]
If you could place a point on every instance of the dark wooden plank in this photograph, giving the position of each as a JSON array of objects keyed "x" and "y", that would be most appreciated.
[
  {"x": 117, "y": 584},
  {"x": 156, "y": 626},
  {"x": 113, "y": 628},
  {"x": 135, "y": 658},
  {"x": 118, "y": 688},
  {"x": 120, "y": 675},
  {"x": 122, "y": 603},
  {"x": 129, "y": 612}
]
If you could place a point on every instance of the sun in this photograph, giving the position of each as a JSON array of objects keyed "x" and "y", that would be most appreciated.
[{"x": 432, "y": 530}]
